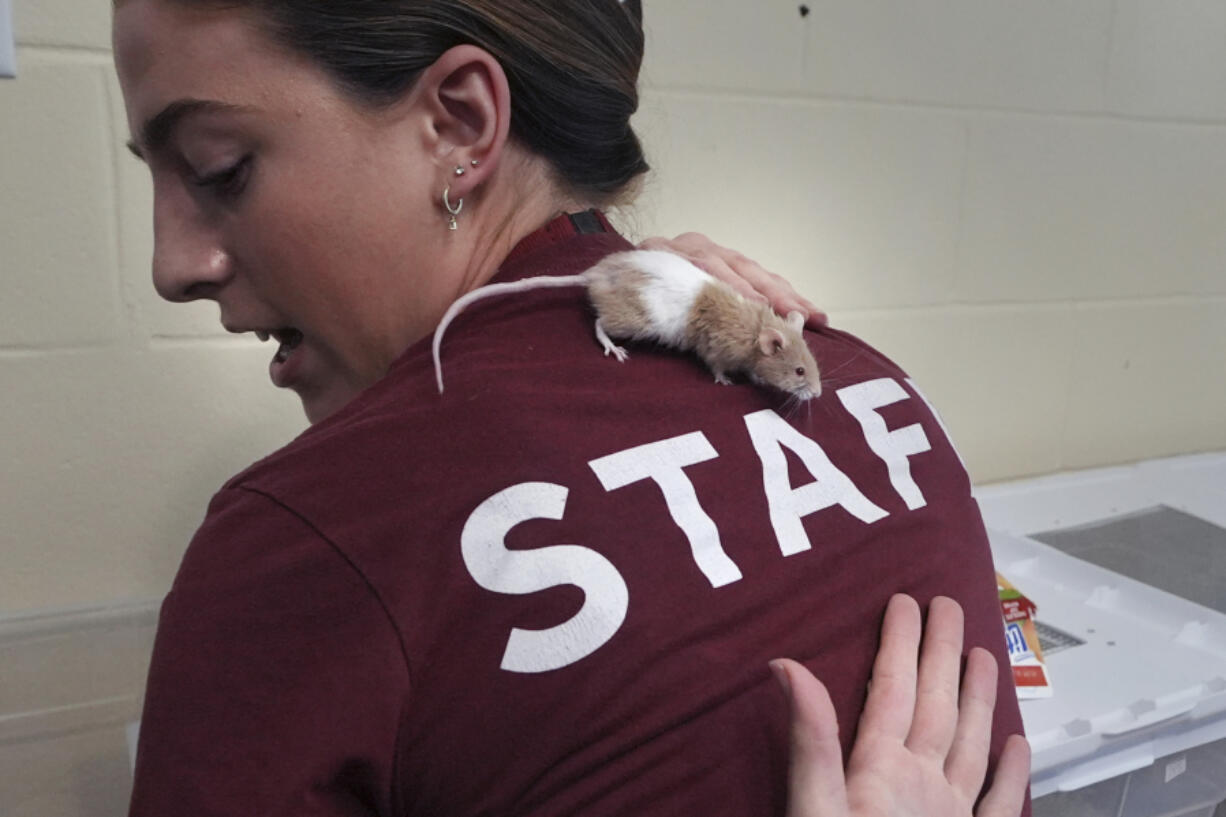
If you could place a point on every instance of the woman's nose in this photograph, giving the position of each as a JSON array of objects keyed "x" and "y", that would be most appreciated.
[{"x": 189, "y": 261}]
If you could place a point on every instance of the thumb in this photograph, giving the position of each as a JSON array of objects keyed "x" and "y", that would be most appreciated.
[{"x": 816, "y": 787}]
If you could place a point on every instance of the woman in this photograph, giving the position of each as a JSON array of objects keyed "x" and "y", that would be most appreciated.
[{"x": 382, "y": 617}]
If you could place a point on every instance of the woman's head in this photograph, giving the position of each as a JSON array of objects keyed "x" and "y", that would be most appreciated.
[
  {"x": 299, "y": 151},
  {"x": 572, "y": 67}
]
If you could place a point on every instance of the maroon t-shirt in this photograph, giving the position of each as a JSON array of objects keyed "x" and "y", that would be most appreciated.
[{"x": 554, "y": 589}]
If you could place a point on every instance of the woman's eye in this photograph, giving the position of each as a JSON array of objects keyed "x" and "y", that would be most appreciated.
[{"x": 228, "y": 182}]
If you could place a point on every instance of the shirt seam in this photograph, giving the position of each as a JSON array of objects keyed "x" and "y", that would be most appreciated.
[{"x": 353, "y": 565}]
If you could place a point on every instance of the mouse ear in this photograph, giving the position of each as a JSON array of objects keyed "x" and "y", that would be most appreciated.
[
  {"x": 796, "y": 320},
  {"x": 771, "y": 340}
]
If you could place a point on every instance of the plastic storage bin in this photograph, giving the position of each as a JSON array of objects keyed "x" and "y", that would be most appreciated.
[
  {"x": 1186, "y": 784},
  {"x": 1137, "y": 724}
]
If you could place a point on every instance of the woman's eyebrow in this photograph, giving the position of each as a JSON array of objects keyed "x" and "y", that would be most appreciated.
[{"x": 157, "y": 131}]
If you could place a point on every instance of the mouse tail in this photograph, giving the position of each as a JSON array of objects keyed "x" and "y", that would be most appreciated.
[{"x": 488, "y": 291}]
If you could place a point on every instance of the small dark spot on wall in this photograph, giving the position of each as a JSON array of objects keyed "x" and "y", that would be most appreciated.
[{"x": 804, "y": 10}]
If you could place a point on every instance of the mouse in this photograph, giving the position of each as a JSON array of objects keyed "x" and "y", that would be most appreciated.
[{"x": 660, "y": 296}]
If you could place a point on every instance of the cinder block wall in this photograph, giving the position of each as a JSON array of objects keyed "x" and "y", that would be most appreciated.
[{"x": 1024, "y": 203}]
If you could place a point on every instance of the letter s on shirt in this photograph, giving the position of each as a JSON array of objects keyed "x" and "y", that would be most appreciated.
[{"x": 520, "y": 572}]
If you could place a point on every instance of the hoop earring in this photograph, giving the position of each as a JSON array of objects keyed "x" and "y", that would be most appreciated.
[{"x": 453, "y": 211}]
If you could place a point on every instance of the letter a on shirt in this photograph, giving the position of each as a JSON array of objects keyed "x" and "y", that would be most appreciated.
[
  {"x": 770, "y": 433},
  {"x": 497, "y": 568}
]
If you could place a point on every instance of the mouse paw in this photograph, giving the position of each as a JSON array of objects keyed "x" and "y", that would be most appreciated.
[
  {"x": 618, "y": 352},
  {"x": 722, "y": 379},
  {"x": 609, "y": 346}
]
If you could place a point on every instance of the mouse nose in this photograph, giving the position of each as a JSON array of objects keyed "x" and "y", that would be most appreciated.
[{"x": 189, "y": 262}]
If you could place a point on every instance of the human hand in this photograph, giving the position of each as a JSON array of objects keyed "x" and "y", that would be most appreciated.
[
  {"x": 743, "y": 274},
  {"x": 921, "y": 749}
]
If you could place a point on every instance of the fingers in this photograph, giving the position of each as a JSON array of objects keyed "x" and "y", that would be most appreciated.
[
  {"x": 1008, "y": 791},
  {"x": 968, "y": 759},
  {"x": 921, "y": 729},
  {"x": 890, "y": 705},
  {"x": 936, "y": 697},
  {"x": 816, "y": 787},
  {"x": 743, "y": 274},
  {"x": 916, "y": 704},
  {"x": 722, "y": 263}
]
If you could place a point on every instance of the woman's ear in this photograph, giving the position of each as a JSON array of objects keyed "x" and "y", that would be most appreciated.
[{"x": 467, "y": 107}]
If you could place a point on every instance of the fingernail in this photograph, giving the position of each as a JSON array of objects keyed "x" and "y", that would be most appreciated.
[{"x": 781, "y": 675}]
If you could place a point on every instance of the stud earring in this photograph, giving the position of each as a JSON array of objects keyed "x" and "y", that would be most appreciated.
[
  {"x": 459, "y": 171},
  {"x": 475, "y": 162},
  {"x": 453, "y": 211}
]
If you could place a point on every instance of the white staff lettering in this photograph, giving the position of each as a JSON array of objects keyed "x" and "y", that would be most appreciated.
[
  {"x": 496, "y": 568},
  {"x": 894, "y": 447},
  {"x": 663, "y": 462},
  {"x": 770, "y": 433},
  {"x": 606, "y": 598},
  {"x": 936, "y": 415}
]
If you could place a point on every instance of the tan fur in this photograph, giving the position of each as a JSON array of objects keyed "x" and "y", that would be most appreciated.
[
  {"x": 622, "y": 312},
  {"x": 727, "y": 332},
  {"x": 723, "y": 329}
]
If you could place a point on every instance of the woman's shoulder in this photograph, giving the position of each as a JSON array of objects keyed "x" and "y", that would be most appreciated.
[{"x": 841, "y": 345}]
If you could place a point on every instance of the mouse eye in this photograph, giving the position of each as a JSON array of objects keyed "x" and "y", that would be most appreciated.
[{"x": 800, "y": 370}]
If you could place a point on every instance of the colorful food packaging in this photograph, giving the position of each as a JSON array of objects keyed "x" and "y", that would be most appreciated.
[{"x": 1029, "y": 671}]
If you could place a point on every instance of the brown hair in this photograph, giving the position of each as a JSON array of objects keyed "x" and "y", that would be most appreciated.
[{"x": 572, "y": 66}]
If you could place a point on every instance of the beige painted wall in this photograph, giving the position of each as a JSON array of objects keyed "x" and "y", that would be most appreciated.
[{"x": 1023, "y": 203}]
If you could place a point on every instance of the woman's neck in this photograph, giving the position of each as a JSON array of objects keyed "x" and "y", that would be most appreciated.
[{"x": 510, "y": 212}]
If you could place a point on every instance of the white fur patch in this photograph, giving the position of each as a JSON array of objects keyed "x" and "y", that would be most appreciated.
[{"x": 670, "y": 289}]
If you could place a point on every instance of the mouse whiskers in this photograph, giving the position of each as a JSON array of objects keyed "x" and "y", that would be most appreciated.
[
  {"x": 827, "y": 376},
  {"x": 791, "y": 405}
]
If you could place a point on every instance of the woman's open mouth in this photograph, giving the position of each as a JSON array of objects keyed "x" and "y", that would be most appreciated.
[
  {"x": 289, "y": 338},
  {"x": 280, "y": 369}
]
